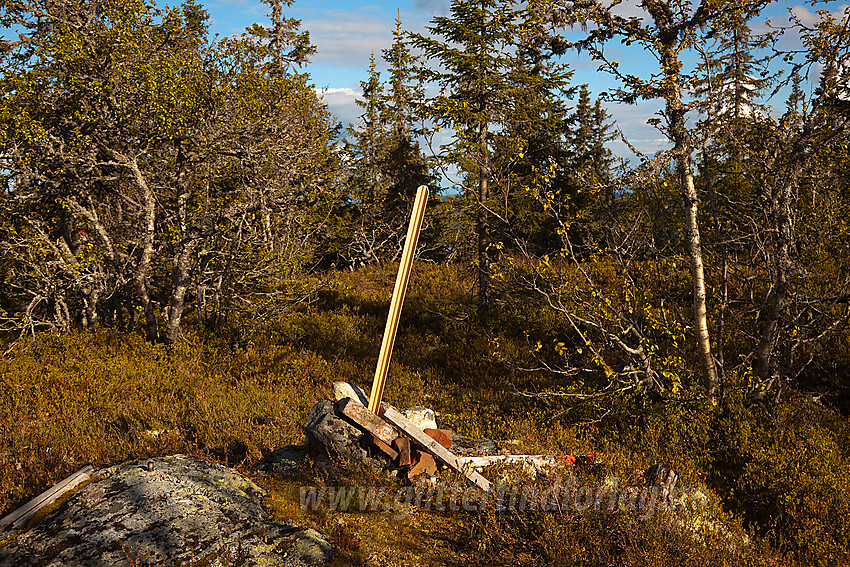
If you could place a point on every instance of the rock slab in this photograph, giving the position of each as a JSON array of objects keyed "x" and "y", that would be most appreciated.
[{"x": 165, "y": 511}]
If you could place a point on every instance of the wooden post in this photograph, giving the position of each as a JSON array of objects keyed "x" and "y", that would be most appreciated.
[{"x": 398, "y": 298}]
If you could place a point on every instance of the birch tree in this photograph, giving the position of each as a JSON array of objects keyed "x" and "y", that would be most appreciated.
[
  {"x": 131, "y": 142},
  {"x": 668, "y": 29}
]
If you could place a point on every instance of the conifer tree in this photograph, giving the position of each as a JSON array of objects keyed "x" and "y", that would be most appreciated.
[
  {"x": 468, "y": 49},
  {"x": 371, "y": 141},
  {"x": 388, "y": 163},
  {"x": 591, "y": 161},
  {"x": 496, "y": 96},
  {"x": 532, "y": 155},
  {"x": 404, "y": 161},
  {"x": 405, "y": 92}
]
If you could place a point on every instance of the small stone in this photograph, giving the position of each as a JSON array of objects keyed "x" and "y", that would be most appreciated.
[
  {"x": 441, "y": 436},
  {"x": 664, "y": 477},
  {"x": 311, "y": 547},
  {"x": 402, "y": 446},
  {"x": 423, "y": 418},
  {"x": 342, "y": 390},
  {"x": 283, "y": 461}
]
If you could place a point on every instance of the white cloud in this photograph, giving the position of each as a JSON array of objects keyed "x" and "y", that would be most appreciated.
[
  {"x": 340, "y": 101},
  {"x": 346, "y": 39},
  {"x": 628, "y": 9},
  {"x": 432, "y": 7},
  {"x": 631, "y": 120},
  {"x": 805, "y": 16}
]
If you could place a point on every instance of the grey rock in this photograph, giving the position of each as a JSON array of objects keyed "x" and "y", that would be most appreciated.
[
  {"x": 165, "y": 511},
  {"x": 333, "y": 440},
  {"x": 468, "y": 447},
  {"x": 283, "y": 461}
]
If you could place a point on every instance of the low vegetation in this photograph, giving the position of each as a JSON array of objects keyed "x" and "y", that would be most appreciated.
[{"x": 776, "y": 476}]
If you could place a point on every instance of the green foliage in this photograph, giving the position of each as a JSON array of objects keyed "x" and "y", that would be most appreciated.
[
  {"x": 786, "y": 471},
  {"x": 145, "y": 160},
  {"x": 500, "y": 95}
]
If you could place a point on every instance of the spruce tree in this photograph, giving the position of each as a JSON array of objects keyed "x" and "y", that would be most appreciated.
[
  {"x": 498, "y": 95},
  {"x": 388, "y": 163},
  {"x": 404, "y": 162},
  {"x": 591, "y": 164},
  {"x": 531, "y": 144}
]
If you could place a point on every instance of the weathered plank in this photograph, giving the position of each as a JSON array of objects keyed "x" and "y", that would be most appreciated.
[
  {"x": 22, "y": 515},
  {"x": 361, "y": 415},
  {"x": 537, "y": 461},
  {"x": 395, "y": 417},
  {"x": 384, "y": 448}
]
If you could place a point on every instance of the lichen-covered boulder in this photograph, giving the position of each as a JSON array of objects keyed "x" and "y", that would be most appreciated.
[
  {"x": 165, "y": 511},
  {"x": 333, "y": 441}
]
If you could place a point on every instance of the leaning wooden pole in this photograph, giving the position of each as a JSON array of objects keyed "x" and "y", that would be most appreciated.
[{"x": 398, "y": 298}]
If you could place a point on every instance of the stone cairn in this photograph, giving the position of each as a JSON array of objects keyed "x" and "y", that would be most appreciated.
[{"x": 335, "y": 439}]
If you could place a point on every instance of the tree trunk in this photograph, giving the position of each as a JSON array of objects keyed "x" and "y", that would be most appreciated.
[
  {"x": 92, "y": 317},
  {"x": 697, "y": 274},
  {"x": 483, "y": 222},
  {"x": 181, "y": 273},
  {"x": 783, "y": 234},
  {"x": 724, "y": 279},
  {"x": 143, "y": 266},
  {"x": 682, "y": 149},
  {"x": 181, "y": 277}
]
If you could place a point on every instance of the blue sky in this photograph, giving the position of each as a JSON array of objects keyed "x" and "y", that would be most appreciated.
[{"x": 347, "y": 32}]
